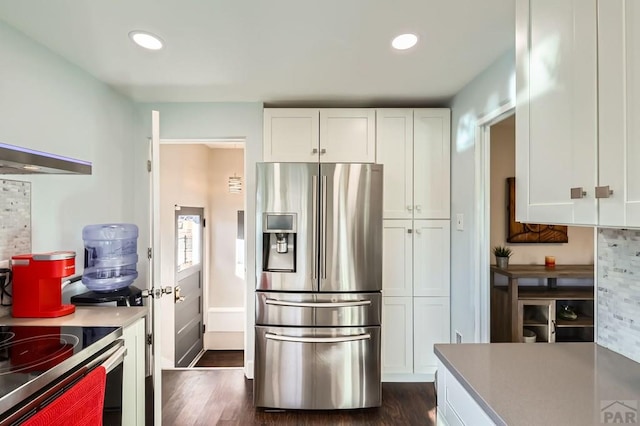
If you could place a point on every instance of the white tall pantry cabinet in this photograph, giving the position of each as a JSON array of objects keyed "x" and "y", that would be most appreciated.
[
  {"x": 578, "y": 94},
  {"x": 414, "y": 147}
]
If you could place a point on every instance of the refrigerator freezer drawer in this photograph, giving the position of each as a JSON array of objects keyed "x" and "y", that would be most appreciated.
[
  {"x": 318, "y": 309},
  {"x": 317, "y": 368}
]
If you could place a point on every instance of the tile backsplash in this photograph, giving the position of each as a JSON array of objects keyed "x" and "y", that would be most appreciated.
[
  {"x": 15, "y": 222},
  {"x": 619, "y": 291}
]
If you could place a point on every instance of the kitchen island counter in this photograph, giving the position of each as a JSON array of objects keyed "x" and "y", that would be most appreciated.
[
  {"x": 527, "y": 384},
  {"x": 86, "y": 316}
]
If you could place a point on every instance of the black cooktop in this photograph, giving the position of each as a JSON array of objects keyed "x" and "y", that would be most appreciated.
[{"x": 33, "y": 356}]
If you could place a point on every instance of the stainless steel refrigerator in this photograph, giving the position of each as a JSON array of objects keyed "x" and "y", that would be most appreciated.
[{"x": 319, "y": 277}]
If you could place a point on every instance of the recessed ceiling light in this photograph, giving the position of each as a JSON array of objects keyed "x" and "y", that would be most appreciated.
[
  {"x": 404, "y": 41},
  {"x": 146, "y": 40}
]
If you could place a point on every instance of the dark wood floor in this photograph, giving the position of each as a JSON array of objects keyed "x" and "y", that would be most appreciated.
[
  {"x": 221, "y": 359},
  {"x": 225, "y": 397}
]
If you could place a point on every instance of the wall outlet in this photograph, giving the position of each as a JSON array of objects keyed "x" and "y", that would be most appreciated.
[
  {"x": 458, "y": 337},
  {"x": 460, "y": 222}
]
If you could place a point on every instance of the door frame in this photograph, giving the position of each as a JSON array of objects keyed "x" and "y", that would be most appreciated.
[
  {"x": 482, "y": 251},
  {"x": 241, "y": 141}
]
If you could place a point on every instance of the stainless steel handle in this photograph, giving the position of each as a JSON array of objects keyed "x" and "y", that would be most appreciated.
[
  {"x": 409, "y": 231},
  {"x": 418, "y": 232},
  {"x": 603, "y": 191},
  {"x": 297, "y": 339},
  {"x": 554, "y": 327},
  {"x": 410, "y": 208},
  {"x": 314, "y": 227},
  {"x": 319, "y": 304},
  {"x": 178, "y": 298},
  {"x": 314, "y": 151},
  {"x": 323, "y": 244},
  {"x": 418, "y": 208},
  {"x": 577, "y": 193},
  {"x": 323, "y": 151},
  {"x": 115, "y": 359}
]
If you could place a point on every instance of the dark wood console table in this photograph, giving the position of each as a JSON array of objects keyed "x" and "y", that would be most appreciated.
[{"x": 504, "y": 299}]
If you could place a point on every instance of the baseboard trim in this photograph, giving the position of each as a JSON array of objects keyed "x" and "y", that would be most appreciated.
[{"x": 408, "y": 378}]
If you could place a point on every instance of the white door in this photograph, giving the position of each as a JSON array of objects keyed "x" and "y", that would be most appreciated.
[
  {"x": 431, "y": 326},
  {"x": 397, "y": 335},
  {"x": 397, "y": 257},
  {"x": 155, "y": 286}
]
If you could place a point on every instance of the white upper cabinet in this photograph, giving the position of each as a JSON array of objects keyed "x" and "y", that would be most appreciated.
[
  {"x": 347, "y": 135},
  {"x": 291, "y": 135},
  {"x": 394, "y": 146},
  {"x": 414, "y": 147},
  {"x": 334, "y": 135},
  {"x": 619, "y": 109},
  {"x": 578, "y": 97},
  {"x": 556, "y": 111},
  {"x": 431, "y": 169}
]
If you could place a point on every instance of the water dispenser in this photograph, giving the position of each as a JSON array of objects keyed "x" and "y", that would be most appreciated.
[{"x": 279, "y": 242}]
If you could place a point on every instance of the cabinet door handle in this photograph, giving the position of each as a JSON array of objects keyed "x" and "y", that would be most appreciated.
[
  {"x": 577, "y": 193},
  {"x": 603, "y": 191},
  {"x": 323, "y": 151},
  {"x": 410, "y": 208},
  {"x": 418, "y": 207},
  {"x": 418, "y": 231},
  {"x": 314, "y": 151},
  {"x": 409, "y": 231}
]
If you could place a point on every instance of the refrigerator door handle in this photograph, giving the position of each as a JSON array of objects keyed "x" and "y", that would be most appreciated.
[
  {"x": 346, "y": 304},
  {"x": 323, "y": 236},
  {"x": 341, "y": 339},
  {"x": 314, "y": 227}
]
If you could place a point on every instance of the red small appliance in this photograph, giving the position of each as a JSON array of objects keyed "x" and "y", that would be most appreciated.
[{"x": 37, "y": 284}]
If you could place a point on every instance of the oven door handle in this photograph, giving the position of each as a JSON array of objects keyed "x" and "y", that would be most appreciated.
[
  {"x": 297, "y": 339},
  {"x": 346, "y": 304},
  {"x": 115, "y": 359}
]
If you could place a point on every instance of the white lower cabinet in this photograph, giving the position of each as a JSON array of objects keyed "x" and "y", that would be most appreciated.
[
  {"x": 410, "y": 328},
  {"x": 133, "y": 374},
  {"x": 456, "y": 407}
]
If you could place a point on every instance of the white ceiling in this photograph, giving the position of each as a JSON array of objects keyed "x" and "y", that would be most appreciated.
[{"x": 281, "y": 52}]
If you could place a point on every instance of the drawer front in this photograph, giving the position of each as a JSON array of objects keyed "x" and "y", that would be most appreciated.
[
  {"x": 326, "y": 309},
  {"x": 317, "y": 368}
]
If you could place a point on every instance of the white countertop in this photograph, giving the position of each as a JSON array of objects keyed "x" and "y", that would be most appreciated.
[
  {"x": 86, "y": 316},
  {"x": 542, "y": 384}
]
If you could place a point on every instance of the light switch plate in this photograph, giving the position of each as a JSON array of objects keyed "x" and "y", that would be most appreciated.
[{"x": 460, "y": 222}]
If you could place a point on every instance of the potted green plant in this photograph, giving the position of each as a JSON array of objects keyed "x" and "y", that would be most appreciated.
[{"x": 502, "y": 255}]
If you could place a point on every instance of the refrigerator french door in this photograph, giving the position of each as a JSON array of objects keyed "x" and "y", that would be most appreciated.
[{"x": 319, "y": 277}]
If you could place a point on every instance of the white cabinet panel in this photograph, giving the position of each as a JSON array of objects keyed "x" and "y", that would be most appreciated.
[
  {"x": 556, "y": 113},
  {"x": 431, "y": 150},
  {"x": 133, "y": 374},
  {"x": 431, "y": 258},
  {"x": 430, "y": 326},
  {"x": 291, "y": 135},
  {"x": 394, "y": 149},
  {"x": 397, "y": 335},
  {"x": 619, "y": 106},
  {"x": 347, "y": 135},
  {"x": 397, "y": 257}
]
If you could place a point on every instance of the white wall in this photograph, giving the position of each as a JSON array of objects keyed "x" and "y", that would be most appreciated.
[
  {"x": 49, "y": 104},
  {"x": 226, "y": 289},
  {"x": 206, "y": 121},
  {"x": 488, "y": 91},
  {"x": 579, "y": 249},
  {"x": 183, "y": 179}
]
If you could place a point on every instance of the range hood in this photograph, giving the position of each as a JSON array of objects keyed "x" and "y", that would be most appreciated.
[{"x": 16, "y": 160}]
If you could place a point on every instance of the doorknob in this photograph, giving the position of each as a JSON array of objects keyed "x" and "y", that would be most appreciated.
[
  {"x": 178, "y": 298},
  {"x": 156, "y": 293}
]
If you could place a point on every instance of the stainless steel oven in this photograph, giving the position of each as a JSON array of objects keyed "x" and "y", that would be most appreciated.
[{"x": 40, "y": 364}]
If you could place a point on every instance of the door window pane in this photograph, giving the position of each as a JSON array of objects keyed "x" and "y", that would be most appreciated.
[{"x": 189, "y": 247}]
